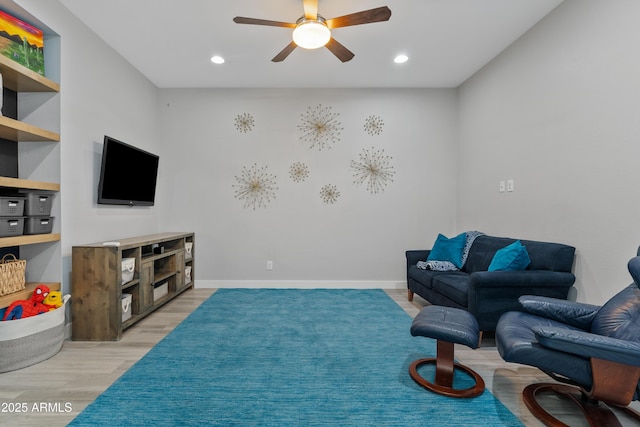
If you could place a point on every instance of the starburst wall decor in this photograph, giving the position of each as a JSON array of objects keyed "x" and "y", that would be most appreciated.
[
  {"x": 298, "y": 172},
  {"x": 329, "y": 194},
  {"x": 373, "y": 125},
  {"x": 256, "y": 187},
  {"x": 374, "y": 168},
  {"x": 244, "y": 122},
  {"x": 320, "y": 127}
]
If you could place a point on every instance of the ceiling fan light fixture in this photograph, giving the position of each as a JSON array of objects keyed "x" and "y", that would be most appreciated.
[
  {"x": 311, "y": 34},
  {"x": 401, "y": 59}
]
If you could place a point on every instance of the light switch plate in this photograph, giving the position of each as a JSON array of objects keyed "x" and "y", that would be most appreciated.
[{"x": 510, "y": 185}]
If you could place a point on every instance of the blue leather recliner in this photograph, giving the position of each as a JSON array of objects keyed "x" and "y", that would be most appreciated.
[{"x": 594, "y": 351}]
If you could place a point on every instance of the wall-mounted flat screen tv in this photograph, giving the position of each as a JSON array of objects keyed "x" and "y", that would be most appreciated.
[{"x": 128, "y": 175}]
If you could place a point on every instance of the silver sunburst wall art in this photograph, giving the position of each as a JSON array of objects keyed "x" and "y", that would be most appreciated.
[
  {"x": 256, "y": 187},
  {"x": 320, "y": 127},
  {"x": 329, "y": 194},
  {"x": 374, "y": 168},
  {"x": 298, "y": 172},
  {"x": 373, "y": 125},
  {"x": 244, "y": 122}
]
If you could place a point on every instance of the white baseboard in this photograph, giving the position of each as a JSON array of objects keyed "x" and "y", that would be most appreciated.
[{"x": 301, "y": 284}]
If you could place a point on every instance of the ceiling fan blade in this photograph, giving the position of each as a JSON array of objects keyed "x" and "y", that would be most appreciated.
[
  {"x": 339, "y": 50},
  {"x": 365, "y": 17},
  {"x": 310, "y": 9},
  {"x": 254, "y": 21},
  {"x": 284, "y": 52}
]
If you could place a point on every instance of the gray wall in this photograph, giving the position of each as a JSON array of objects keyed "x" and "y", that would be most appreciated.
[
  {"x": 558, "y": 113},
  {"x": 361, "y": 237},
  {"x": 100, "y": 94}
]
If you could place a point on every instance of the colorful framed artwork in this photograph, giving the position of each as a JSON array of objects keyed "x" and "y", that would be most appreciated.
[{"x": 21, "y": 42}]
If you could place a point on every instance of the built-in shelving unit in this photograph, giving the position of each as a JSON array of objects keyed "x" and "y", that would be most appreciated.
[
  {"x": 26, "y": 184},
  {"x": 163, "y": 270},
  {"x": 32, "y": 239},
  {"x": 15, "y": 130},
  {"x": 22, "y": 81}
]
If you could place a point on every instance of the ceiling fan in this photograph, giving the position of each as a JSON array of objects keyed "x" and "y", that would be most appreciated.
[{"x": 312, "y": 31}]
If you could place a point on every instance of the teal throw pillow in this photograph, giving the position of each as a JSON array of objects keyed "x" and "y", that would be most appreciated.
[
  {"x": 510, "y": 258},
  {"x": 445, "y": 249}
]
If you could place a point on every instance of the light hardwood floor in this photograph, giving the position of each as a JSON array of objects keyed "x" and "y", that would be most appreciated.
[{"x": 56, "y": 390}]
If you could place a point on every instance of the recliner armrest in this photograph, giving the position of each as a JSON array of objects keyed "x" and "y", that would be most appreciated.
[
  {"x": 589, "y": 345},
  {"x": 572, "y": 313}
]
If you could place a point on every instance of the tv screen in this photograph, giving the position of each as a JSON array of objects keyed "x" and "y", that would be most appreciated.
[{"x": 128, "y": 175}]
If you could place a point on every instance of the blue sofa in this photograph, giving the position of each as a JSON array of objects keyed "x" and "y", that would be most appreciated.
[{"x": 489, "y": 294}]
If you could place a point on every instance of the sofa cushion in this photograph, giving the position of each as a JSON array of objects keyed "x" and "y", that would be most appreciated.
[
  {"x": 453, "y": 285},
  {"x": 543, "y": 255},
  {"x": 550, "y": 256},
  {"x": 482, "y": 251},
  {"x": 445, "y": 249},
  {"x": 424, "y": 277},
  {"x": 511, "y": 257}
]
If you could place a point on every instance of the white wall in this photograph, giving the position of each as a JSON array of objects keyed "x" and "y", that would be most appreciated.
[
  {"x": 362, "y": 237},
  {"x": 100, "y": 94},
  {"x": 558, "y": 113}
]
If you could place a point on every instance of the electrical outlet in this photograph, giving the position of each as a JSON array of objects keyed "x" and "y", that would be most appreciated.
[
  {"x": 501, "y": 187},
  {"x": 510, "y": 185},
  {"x": 269, "y": 265}
]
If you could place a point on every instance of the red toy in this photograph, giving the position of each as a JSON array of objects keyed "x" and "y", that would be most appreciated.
[{"x": 31, "y": 307}]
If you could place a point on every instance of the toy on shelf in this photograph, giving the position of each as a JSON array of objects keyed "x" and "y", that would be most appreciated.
[
  {"x": 31, "y": 307},
  {"x": 53, "y": 300}
]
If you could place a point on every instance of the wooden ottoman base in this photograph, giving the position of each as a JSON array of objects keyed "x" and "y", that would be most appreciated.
[{"x": 445, "y": 367}]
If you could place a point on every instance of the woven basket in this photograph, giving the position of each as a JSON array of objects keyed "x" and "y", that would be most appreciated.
[
  {"x": 25, "y": 342},
  {"x": 12, "y": 274}
]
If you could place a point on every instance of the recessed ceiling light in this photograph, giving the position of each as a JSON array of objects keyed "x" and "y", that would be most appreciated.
[
  {"x": 400, "y": 59},
  {"x": 217, "y": 59}
]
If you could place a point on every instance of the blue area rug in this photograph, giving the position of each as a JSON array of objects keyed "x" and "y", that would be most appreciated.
[{"x": 273, "y": 357}]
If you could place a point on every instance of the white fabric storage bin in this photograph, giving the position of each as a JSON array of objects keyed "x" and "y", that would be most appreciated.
[
  {"x": 187, "y": 274},
  {"x": 25, "y": 342},
  {"x": 188, "y": 248},
  {"x": 126, "y": 307},
  {"x": 128, "y": 267},
  {"x": 160, "y": 290}
]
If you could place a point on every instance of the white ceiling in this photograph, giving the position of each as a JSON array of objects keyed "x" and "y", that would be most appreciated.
[{"x": 171, "y": 42}]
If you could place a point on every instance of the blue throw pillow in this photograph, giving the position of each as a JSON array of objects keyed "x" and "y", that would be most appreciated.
[
  {"x": 445, "y": 249},
  {"x": 510, "y": 258}
]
